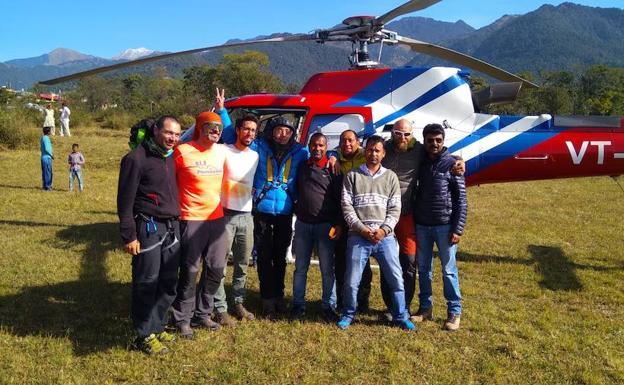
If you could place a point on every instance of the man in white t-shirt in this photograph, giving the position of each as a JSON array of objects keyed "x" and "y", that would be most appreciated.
[
  {"x": 65, "y": 112},
  {"x": 236, "y": 198}
]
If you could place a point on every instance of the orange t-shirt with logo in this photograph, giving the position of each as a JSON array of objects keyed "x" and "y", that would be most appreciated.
[{"x": 199, "y": 174}]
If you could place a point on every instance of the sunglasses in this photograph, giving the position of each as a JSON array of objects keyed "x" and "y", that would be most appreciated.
[
  {"x": 211, "y": 126},
  {"x": 401, "y": 133}
]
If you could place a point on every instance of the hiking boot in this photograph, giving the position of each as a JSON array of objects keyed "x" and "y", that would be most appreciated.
[
  {"x": 150, "y": 345},
  {"x": 452, "y": 322},
  {"x": 330, "y": 315},
  {"x": 243, "y": 314},
  {"x": 386, "y": 317},
  {"x": 422, "y": 315},
  {"x": 406, "y": 325},
  {"x": 344, "y": 323},
  {"x": 268, "y": 309},
  {"x": 224, "y": 319},
  {"x": 205, "y": 323},
  {"x": 280, "y": 305},
  {"x": 297, "y": 313},
  {"x": 185, "y": 331},
  {"x": 165, "y": 336},
  {"x": 363, "y": 307}
]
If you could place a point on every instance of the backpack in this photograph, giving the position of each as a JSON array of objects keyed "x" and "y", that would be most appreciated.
[{"x": 139, "y": 131}]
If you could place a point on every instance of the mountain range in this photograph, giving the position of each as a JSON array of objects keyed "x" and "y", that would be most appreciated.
[{"x": 563, "y": 37}]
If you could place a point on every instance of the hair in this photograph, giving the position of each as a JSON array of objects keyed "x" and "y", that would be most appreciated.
[
  {"x": 246, "y": 118},
  {"x": 317, "y": 135},
  {"x": 160, "y": 123},
  {"x": 75, "y": 145},
  {"x": 433, "y": 129},
  {"x": 373, "y": 140},
  {"x": 345, "y": 131},
  {"x": 47, "y": 130}
]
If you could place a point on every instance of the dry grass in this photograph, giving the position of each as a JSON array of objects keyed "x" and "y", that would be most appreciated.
[{"x": 541, "y": 268}]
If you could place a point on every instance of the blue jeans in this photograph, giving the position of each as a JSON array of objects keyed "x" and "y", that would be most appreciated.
[
  {"x": 441, "y": 236},
  {"x": 78, "y": 175},
  {"x": 307, "y": 236},
  {"x": 386, "y": 252}
]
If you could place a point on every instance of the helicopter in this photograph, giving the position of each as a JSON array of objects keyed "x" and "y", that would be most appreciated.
[{"x": 368, "y": 99}]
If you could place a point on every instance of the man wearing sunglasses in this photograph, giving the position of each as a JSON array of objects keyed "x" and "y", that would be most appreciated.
[
  {"x": 404, "y": 154},
  {"x": 200, "y": 167}
]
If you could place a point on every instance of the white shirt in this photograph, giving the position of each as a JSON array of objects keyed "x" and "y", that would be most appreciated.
[
  {"x": 65, "y": 112},
  {"x": 241, "y": 167}
]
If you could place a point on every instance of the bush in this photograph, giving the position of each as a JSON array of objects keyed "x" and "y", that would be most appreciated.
[
  {"x": 17, "y": 129},
  {"x": 118, "y": 120},
  {"x": 186, "y": 121}
]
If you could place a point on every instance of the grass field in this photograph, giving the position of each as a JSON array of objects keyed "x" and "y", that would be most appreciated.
[{"x": 541, "y": 270}]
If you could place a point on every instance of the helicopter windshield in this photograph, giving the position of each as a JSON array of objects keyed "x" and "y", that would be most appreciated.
[{"x": 296, "y": 116}]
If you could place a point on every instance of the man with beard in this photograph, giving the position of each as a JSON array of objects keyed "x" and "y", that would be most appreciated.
[
  {"x": 440, "y": 213},
  {"x": 236, "y": 199},
  {"x": 200, "y": 166},
  {"x": 147, "y": 205},
  {"x": 404, "y": 155}
]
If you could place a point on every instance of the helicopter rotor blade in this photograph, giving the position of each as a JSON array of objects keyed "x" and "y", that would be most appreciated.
[
  {"x": 464, "y": 60},
  {"x": 410, "y": 6},
  {"x": 298, "y": 37}
]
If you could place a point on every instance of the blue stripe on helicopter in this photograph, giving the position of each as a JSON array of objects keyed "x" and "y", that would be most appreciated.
[
  {"x": 382, "y": 86},
  {"x": 492, "y": 126},
  {"x": 516, "y": 145},
  {"x": 434, "y": 93}
]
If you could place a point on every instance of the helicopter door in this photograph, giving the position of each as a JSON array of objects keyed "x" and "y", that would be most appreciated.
[{"x": 332, "y": 125}]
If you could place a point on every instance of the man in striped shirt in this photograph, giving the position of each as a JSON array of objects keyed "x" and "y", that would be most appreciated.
[{"x": 371, "y": 204}]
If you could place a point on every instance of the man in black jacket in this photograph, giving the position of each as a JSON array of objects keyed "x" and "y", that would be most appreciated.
[
  {"x": 318, "y": 224},
  {"x": 440, "y": 216},
  {"x": 148, "y": 209}
]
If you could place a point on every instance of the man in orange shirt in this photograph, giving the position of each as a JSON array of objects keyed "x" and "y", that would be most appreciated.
[{"x": 200, "y": 168}]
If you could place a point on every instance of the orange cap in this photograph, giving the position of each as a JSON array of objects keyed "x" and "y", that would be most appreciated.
[{"x": 203, "y": 118}]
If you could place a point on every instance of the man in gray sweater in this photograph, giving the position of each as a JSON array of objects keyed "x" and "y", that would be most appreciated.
[{"x": 371, "y": 204}]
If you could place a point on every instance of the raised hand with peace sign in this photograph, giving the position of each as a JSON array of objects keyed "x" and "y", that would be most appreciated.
[{"x": 219, "y": 103}]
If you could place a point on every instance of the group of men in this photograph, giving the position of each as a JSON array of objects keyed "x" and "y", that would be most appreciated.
[{"x": 182, "y": 207}]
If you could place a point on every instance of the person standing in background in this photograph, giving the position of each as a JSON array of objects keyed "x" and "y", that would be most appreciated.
[
  {"x": 75, "y": 160},
  {"x": 48, "y": 118},
  {"x": 47, "y": 156},
  {"x": 65, "y": 112}
]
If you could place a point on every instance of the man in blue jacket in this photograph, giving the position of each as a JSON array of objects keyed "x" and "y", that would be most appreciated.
[
  {"x": 440, "y": 216},
  {"x": 275, "y": 191}
]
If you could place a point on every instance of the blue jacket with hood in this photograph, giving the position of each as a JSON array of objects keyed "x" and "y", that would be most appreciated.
[{"x": 275, "y": 186}]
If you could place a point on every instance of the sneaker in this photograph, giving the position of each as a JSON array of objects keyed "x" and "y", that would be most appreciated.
[
  {"x": 204, "y": 323},
  {"x": 422, "y": 315},
  {"x": 406, "y": 325},
  {"x": 185, "y": 331},
  {"x": 243, "y": 314},
  {"x": 452, "y": 322},
  {"x": 165, "y": 336},
  {"x": 330, "y": 315},
  {"x": 344, "y": 323},
  {"x": 150, "y": 345},
  {"x": 297, "y": 313},
  {"x": 224, "y": 319}
]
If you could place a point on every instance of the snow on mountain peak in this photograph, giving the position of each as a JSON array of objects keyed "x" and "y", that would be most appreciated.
[{"x": 133, "y": 54}]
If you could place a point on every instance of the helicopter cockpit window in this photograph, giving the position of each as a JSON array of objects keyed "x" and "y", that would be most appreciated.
[
  {"x": 264, "y": 115},
  {"x": 332, "y": 125}
]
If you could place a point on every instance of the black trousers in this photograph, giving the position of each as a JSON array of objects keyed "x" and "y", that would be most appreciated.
[
  {"x": 409, "y": 265},
  {"x": 272, "y": 236},
  {"x": 364, "y": 289},
  {"x": 154, "y": 275},
  {"x": 202, "y": 241}
]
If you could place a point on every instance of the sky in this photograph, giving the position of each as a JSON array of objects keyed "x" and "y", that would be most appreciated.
[{"x": 31, "y": 28}]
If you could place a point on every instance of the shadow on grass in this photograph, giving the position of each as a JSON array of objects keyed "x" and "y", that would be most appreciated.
[
  {"x": 92, "y": 312},
  {"x": 21, "y": 187},
  {"x": 558, "y": 272}
]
